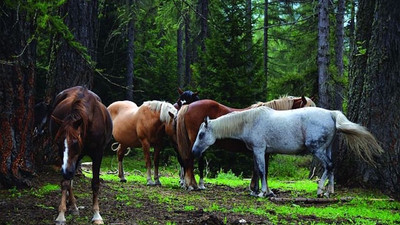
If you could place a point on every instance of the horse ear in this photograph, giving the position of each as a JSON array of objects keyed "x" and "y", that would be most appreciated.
[
  {"x": 180, "y": 91},
  {"x": 304, "y": 100},
  {"x": 206, "y": 119},
  {"x": 171, "y": 115}
]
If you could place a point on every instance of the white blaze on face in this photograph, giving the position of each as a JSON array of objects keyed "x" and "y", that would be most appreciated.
[
  {"x": 183, "y": 102},
  {"x": 65, "y": 158}
]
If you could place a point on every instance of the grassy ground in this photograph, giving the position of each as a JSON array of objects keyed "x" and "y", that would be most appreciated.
[{"x": 225, "y": 201}]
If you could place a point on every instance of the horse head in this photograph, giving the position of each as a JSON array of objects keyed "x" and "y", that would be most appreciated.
[
  {"x": 186, "y": 97},
  {"x": 302, "y": 102},
  {"x": 205, "y": 138}
]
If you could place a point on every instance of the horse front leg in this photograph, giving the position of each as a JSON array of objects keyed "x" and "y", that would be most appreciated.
[
  {"x": 190, "y": 181},
  {"x": 72, "y": 201},
  {"x": 157, "y": 150},
  {"x": 259, "y": 162},
  {"x": 201, "y": 170},
  {"x": 97, "y": 219},
  {"x": 255, "y": 178},
  {"x": 62, "y": 208},
  {"x": 146, "y": 152},
  {"x": 121, "y": 151}
]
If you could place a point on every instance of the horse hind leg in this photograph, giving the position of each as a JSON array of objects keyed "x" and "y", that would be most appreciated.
[
  {"x": 328, "y": 172},
  {"x": 97, "y": 219},
  {"x": 121, "y": 151},
  {"x": 157, "y": 151}
]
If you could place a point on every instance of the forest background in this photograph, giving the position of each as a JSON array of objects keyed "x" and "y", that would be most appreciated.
[{"x": 345, "y": 54}]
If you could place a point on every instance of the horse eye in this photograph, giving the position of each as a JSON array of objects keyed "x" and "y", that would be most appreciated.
[{"x": 201, "y": 135}]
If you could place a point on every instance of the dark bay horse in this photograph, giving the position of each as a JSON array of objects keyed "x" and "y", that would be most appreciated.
[
  {"x": 80, "y": 125},
  {"x": 145, "y": 127},
  {"x": 191, "y": 116},
  {"x": 185, "y": 98},
  {"x": 300, "y": 131}
]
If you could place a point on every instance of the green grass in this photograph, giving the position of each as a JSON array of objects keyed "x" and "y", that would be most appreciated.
[{"x": 363, "y": 209}]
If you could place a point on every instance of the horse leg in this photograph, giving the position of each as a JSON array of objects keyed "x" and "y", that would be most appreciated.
[
  {"x": 146, "y": 152},
  {"x": 72, "y": 201},
  {"x": 255, "y": 182},
  {"x": 259, "y": 162},
  {"x": 190, "y": 181},
  {"x": 328, "y": 170},
  {"x": 97, "y": 219},
  {"x": 157, "y": 150},
  {"x": 201, "y": 170},
  {"x": 62, "y": 208},
  {"x": 331, "y": 181},
  {"x": 121, "y": 151}
]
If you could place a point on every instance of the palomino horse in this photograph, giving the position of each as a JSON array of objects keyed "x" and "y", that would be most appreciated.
[
  {"x": 80, "y": 125},
  {"x": 145, "y": 127},
  {"x": 300, "y": 131},
  {"x": 190, "y": 117}
]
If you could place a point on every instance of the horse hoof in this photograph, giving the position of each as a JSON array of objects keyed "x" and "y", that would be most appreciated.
[
  {"x": 190, "y": 188},
  {"x": 98, "y": 222},
  {"x": 320, "y": 195},
  {"x": 254, "y": 194},
  {"x": 270, "y": 195},
  {"x": 150, "y": 183},
  {"x": 123, "y": 180},
  {"x": 202, "y": 187},
  {"x": 326, "y": 195},
  {"x": 61, "y": 222}
]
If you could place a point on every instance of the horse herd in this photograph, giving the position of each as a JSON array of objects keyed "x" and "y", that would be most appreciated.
[{"x": 81, "y": 125}]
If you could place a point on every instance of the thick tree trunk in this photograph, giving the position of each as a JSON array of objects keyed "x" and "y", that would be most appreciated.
[
  {"x": 71, "y": 66},
  {"x": 68, "y": 65},
  {"x": 374, "y": 95},
  {"x": 323, "y": 51},
  {"x": 17, "y": 60},
  {"x": 130, "y": 53}
]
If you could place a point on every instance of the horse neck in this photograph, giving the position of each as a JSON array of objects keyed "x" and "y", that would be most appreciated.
[{"x": 230, "y": 126}]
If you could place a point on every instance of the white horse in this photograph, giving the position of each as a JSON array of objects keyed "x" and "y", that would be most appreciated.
[{"x": 299, "y": 131}]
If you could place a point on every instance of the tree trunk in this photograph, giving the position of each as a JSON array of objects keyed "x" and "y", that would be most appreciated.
[
  {"x": 188, "y": 55},
  {"x": 179, "y": 50},
  {"x": 323, "y": 51},
  {"x": 265, "y": 42},
  {"x": 249, "y": 36},
  {"x": 72, "y": 68},
  {"x": 17, "y": 70},
  {"x": 339, "y": 53},
  {"x": 374, "y": 95},
  {"x": 130, "y": 53},
  {"x": 70, "y": 65}
]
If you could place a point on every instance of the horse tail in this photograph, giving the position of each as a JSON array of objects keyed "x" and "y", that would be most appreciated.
[
  {"x": 182, "y": 134},
  {"x": 358, "y": 138}
]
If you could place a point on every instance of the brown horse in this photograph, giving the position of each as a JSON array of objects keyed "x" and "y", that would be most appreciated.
[
  {"x": 191, "y": 116},
  {"x": 145, "y": 127},
  {"x": 80, "y": 125}
]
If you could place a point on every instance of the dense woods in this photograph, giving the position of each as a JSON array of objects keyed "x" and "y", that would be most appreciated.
[{"x": 344, "y": 54}]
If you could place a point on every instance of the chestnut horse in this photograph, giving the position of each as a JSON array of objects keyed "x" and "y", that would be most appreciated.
[
  {"x": 80, "y": 125},
  {"x": 191, "y": 116},
  {"x": 145, "y": 127}
]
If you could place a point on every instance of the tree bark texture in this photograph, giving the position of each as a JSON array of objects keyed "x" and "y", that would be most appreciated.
[
  {"x": 17, "y": 71},
  {"x": 323, "y": 51},
  {"x": 179, "y": 50},
  {"x": 188, "y": 53},
  {"x": 373, "y": 100},
  {"x": 71, "y": 67}
]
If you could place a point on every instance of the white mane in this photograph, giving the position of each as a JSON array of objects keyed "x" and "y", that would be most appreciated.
[
  {"x": 233, "y": 123},
  {"x": 163, "y": 108}
]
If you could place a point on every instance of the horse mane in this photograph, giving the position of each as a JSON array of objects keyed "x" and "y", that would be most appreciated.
[
  {"x": 163, "y": 108},
  {"x": 181, "y": 132},
  {"x": 78, "y": 117},
  {"x": 283, "y": 103},
  {"x": 233, "y": 123}
]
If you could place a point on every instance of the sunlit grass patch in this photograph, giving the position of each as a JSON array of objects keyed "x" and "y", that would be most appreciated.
[{"x": 45, "y": 189}]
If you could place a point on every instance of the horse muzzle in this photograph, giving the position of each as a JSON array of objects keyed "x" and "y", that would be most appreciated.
[
  {"x": 196, "y": 152},
  {"x": 68, "y": 173}
]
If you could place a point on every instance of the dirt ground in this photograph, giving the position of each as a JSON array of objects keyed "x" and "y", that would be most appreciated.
[{"x": 31, "y": 209}]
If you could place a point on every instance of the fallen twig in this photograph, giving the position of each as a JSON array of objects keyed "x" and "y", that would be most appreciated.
[{"x": 310, "y": 200}]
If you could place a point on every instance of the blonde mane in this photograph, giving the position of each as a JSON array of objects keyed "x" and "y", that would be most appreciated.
[
  {"x": 233, "y": 123},
  {"x": 163, "y": 108},
  {"x": 283, "y": 103}
]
